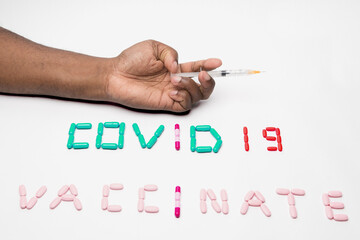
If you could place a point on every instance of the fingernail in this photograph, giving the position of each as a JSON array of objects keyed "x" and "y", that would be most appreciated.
[
  {"x": 174, "y": 92},
  {"x": 174, "y": 65},
  {"x": 207, "y": 77},
  {"x": 177, "y": 79}
]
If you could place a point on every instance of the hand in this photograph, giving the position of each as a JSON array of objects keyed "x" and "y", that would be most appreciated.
[{"x": 141, "y": 79}]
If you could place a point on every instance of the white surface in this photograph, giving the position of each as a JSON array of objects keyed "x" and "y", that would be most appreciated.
[{"x": 311, "y": 91}]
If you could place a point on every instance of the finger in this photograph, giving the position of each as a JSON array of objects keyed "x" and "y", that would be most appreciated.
[
  {"x": 182, "y": 101},
  {"x": 207, "y": 84},
  {"x": 190, "y": 86},
  {"x": 207, "y": 65},
  {"x": 168, "y": 56}
]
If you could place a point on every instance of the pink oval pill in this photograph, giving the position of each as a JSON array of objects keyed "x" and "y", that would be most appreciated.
[
  {"x": 31, "y": 203},
  {"x": 335, "y": 194},
  {"x": 298, "y": 192},
  {"x": 329, "y": 212},
  {"x": 211, "y": 194},
  {"x": 77, "y": 204},
  {"x": 224, "y": 196},
  {"x": 114, "y": 208},
  {"x": 244, "y": 208},
  {"x": 141, "y": 193},
  {"x": 282, "y": 191},
  {"x": 265, "y": 210},
  {"x": 73, "y": 190},
  {"x": 106, "y": 191},
  {"x": 140, "y": 205},
  {"x": 255, "y": 202},
  {"x": 203, "y": 207},
  {"x": 225, "y": 207},
  {"x": 42, "y": 190},
  {"x": 151, "y": 209},
  {"x": 293, "y": 211},
  {"x": 215, "y": 205},
  {"x": 150, "y": 187},
  {"x": 337, "y": 205},
  {"x": 67, "y": 197},
  {"x": 249, "y": 195},
  {"x": 203, "y": 194},
  {"x": 116, "y": 186},
  {"x": 63, "y": 190},
  {"x": 291, "y": 199},
  {"x": 341, "y": 217},
  {"x": 55, "y": 202},
  {"x": 22, "y": 190},
  {"x": 259, "y": 196},
  {"x": 326, "y": 199},
  {"x": 23, "y": 202},
  {"x": 104, "y": 203}
]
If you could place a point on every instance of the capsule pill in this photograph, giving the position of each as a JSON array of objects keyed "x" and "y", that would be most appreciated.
[
  {"x": 277, "y": 131},
  {"x": 81, "y": 145},
  {"x": 245, "y": 130},
  {"x": 217, "y": 146},
  {"x": 192, "y": 132},
  {"x": 203, "y": 128},
  {"x": 142, "y": 140},
  {"x": 247, "y": 147},
  {"x": 215, "y": 134},
  {"x": 193, "y": 144},
  {"x": 151, "y": 142},
  {"x": 111, "y": 124},
  {"x": 72, "y": 129},
  {"x": 159, "y": 131},
  {"x": 121, "y": 141},
  {"x": 264, "y": 132},
  {"x": 246, "y": 138},
  {"x": 70, "y": 141},
  {"x": 278, "y": 138},
  {"x": 83, "y": 126},
  {"x": 136, "y": 129},
  {"x": 204, "y": 149},
  {"x": 109, "y": 146},
  {"x": 100, "y": 129},
  {"x": 98, "y": 141},
  {"x": 280, "y": 147},
  {"x": 270, "y": 129},
  {"x": 122, "y": 128}
]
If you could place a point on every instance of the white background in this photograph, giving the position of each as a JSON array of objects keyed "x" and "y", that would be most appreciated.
[{"x": 311, "y": 52}]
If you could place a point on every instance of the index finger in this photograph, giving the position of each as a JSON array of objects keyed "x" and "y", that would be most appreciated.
[{"x": 207, "y": 65}]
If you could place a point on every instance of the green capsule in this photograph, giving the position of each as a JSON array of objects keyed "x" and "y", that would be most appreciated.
[
  {"x": 110, "y": 146},
  {"x": 72, "y": 129},
  {"x": 121, "y": 141},
  {"x": 83, "y": 126},
  {"x": 193, "y": 144},
  {"x": 70, "y": 141},
  {"x": 98, "y": 141},
  {"x": 151, "y": 142},
  {"x": 101, "y": 129},
  {"x": 136, "y": 129},
  {"x": 111, "y": 124},
  {"x": 80, "y": 145},
  {"x": 203, "y": 128},
  {"x": 159, "y": 131},
  {"x": 203, "y": 149},
  {"x": 192, "y": 132},
  {"x": 142, "y": 141},
  {"x": 217, "y": 146},
  {"x": 215, "y": 134},
  {"x": 122, "y": 128}
]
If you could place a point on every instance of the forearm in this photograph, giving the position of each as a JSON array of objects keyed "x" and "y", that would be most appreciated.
[{"x": 29, "y": 68}]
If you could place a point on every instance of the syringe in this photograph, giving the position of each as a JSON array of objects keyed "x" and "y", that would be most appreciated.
[{"x": 220, "y": 73}]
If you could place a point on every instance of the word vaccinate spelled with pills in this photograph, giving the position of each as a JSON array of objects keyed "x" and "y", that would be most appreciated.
[
  {"x": 252, "y": 199},
  {"x": 71, "y": 144}
]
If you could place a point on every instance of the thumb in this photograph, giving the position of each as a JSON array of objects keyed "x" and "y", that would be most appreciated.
[{"x": 168, "y": 56}]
